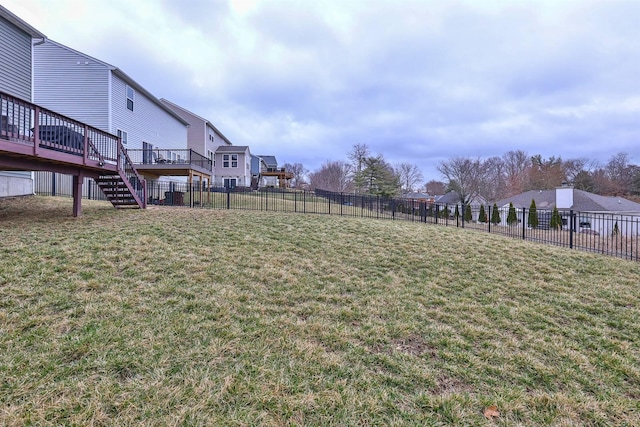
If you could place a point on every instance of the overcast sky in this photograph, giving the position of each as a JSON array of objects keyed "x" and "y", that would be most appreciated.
[{"x": 418, "y": 81}]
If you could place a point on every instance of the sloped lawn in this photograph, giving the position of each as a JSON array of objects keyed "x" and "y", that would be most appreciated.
[{"x": 174, "y": 316}]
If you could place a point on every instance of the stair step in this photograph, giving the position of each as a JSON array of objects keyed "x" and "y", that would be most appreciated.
[{"x": 117, "y": 191}]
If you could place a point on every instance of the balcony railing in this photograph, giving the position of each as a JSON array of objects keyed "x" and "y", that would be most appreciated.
[{"x": 174, "y": 157}]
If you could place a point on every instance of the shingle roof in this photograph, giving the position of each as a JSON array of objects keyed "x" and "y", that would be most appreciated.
[
  {"x": 416, "y": 196},
  {"x": 452, "y": 197},
  {"x": 231, "y": 149},
  {"x": 583, "y": 201},
  {"x": 270, "y": 161}
]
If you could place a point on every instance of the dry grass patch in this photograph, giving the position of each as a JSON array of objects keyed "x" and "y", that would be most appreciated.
[{"x": 175, "y": 316}]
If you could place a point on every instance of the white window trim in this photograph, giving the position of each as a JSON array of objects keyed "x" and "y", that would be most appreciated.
[{"x": 132, "y": 98}]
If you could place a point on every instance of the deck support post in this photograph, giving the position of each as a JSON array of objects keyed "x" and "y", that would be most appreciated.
[{"x": 77, "y": 195}]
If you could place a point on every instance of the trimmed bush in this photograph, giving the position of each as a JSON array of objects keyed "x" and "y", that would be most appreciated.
[
  {"x": 556, "y": 219},
  {"x": 482, "y": 216},
  {"x": 512, "y": 218},
  {"x": 532, "y": 219},
  {"x": 495, "y": 215},
  {"x": 467, "y": 213}
]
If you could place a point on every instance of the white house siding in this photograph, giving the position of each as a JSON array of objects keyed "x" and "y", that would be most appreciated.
[
  {"x": 15, "y": 67},
  {"x": 72, "y": 84},
  {"x": 148, "y": 122},
  {"x": 15, "y": 79}
]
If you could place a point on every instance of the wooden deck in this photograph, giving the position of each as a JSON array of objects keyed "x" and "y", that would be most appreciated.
[{"x": 34, "y": 138}]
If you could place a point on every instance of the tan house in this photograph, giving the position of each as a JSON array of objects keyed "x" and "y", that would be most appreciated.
[{"x": 232, "y": 166}]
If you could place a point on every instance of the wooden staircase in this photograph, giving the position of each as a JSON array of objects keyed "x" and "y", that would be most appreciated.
[{"x": 119, "y": 191}]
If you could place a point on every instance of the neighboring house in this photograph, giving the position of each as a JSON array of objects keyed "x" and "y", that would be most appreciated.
[
  {"x": 232, "y": 166},
  {"x": 202, "y": 136},
  {"x": 101, "y": 95},
  {"x": 271, "y": 175},
  {"x": 15, "y": 79},
  {"x": 419, "y": 197},
  {"x": 452, "y": 198},
  {"x": 594, "y": 212},
  {"x": 257, "y": 165},
  {"x": 269, "y": 164}
]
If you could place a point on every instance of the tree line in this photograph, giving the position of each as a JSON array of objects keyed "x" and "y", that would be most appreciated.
[
  {"x": 366, "y": 173},
  {"x": 491, "y": 179},
  {"x": 515, "y": 172}
]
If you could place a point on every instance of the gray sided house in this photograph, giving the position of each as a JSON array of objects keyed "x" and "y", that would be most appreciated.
[
  {"x": 202, "y": 136},
  {"x": 15, "y": 79},
  {"x": 232, "y": 166},
  {"x": 257, "y": 166},
  {"x": 594, "y": 213},
  {"x": 101, "y": 95}
]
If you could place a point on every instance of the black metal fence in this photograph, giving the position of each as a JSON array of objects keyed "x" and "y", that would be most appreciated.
[{"x": 614, "y": 234}]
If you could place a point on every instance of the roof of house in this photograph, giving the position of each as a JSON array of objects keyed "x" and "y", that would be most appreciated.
[
  {"x": 270, "y": 161},
  {"x": 128, "y": 80},
  {"x": 451, "y": 197},
  {"x": 583, "y": 201},
  {"x": 232, "y": 149},
  {"x": 417, "y": 195},
  {"x": 15, "y": 20},
  {"x": 207, "y": 122}
]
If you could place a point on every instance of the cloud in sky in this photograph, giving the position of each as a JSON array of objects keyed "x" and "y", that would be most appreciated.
[{"x": 416, "y": 80}]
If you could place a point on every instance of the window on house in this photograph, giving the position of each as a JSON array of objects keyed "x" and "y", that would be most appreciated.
[
  {"x": 130, "y": 95},
  {"x": 123, "y": 136},
  {"x": 225, "y": 160},
  {"x": 234, "y": 160}
]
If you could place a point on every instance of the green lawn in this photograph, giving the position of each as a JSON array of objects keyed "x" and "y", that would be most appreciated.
[{"x": 176, "y": 316}]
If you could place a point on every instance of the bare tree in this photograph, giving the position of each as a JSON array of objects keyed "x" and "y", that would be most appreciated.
[
  {"x": 298, "y": 171},
  {"x": 409, "y": 174},
  {"x": 358, "y": 155},
  {"x": 546, "y": 174},
  {"x": 620, "y": 173},
  {"x": 516, "y": 169},
  {"x": 332, "y": 176},
  {"x": 493, "y": 184},
  {"x": 435, "y": 187},
  {"x": 464, "y": 175}
]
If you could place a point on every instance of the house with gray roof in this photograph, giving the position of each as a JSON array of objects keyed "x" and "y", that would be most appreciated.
[
  {"x": 232, "y": 166},
  {"x": 593, "y": 212},
  {"x": 271, "y": 175}
]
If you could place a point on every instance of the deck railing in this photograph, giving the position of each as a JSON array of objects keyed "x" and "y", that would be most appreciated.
[
  {"x": 167, "y": 156},
  {"x": 27, "y": 124}
]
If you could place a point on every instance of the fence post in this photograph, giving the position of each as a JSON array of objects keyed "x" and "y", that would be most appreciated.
[
  {"x": 295, "y": 201},
  {"x": 571, "y": 228},
  {"x": 341, "y": 202},
  {"x": 489, "y": 217},
  {"x": 53, "y": 184},
  {"x": 437, "y": 215},
  {"x": 524, "y": 224},
  {"x": 228, "y": 198}
]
